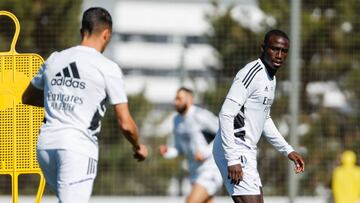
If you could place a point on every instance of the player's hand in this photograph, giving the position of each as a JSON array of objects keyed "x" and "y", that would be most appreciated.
[
  {"x": 140, "y": 153},
  {"x": 235, "y": 174},
  {"x": 163, "y": 149},
  {"x": 198, "y": 156},
  {"x": 298, "y": 161}
]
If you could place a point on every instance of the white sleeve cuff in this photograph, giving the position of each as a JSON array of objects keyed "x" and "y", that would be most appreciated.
[
  {"x": 289, "y": 150},
  {"x": 286, "y": 150},
  {"x": 36, "y": 84},
  {"x": 171, "y": 153}
]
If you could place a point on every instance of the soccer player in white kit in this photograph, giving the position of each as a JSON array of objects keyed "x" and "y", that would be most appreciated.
[
  {"x": 245, "y": 116},
  {"x": 194, "y": 130},
  {"x": 74, "y": 85}
]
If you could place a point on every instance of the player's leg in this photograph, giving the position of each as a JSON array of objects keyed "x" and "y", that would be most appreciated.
[
  {"x": 262, "y": 195},
  {"x": 249, "y": 198},
  {"x": 204, "y": 185},
  {"x": 210, "y": 200},
  {"x": 198, "y": 194},
  {"x": 48, "y": 165},
  {"x": 76, "y": 176}
]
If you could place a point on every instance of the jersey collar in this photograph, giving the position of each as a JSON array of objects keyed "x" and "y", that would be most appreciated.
[
  {"x": 189, "y": 111},
  {"x": 86, "y": 48},
  {"x": 270, "y": 71}
]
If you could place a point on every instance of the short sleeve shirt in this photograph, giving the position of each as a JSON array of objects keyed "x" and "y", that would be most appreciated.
[{"x": 77, "y": 83}]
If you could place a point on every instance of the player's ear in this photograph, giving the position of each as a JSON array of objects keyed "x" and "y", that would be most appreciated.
[
  {"x": 262, "y": 47},
  {"x": 106, "y": 34}
]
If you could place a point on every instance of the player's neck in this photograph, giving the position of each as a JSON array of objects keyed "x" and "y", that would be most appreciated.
[
  {"x": 93, "y": 43},
  {"x": 270, "y": 70}
]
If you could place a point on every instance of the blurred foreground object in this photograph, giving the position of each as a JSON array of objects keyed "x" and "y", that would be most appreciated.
[{"x": 346, "y": 179}]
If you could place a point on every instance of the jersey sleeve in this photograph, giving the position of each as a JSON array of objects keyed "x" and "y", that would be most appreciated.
[
  {"x": 235, "y": 99},
  {"x": 175, "y": 140},
  {"x": 115, "y": 86},
  {"x": 209, "y": 122},
  {"x": 173, "y": 147},
  {"x": 226, "y": 117},
  {"x": 38, "y": 80},
  {"x": 198, "y": 142},
  {"x": 238, "y": 92},
  {"x": 274, "y": 137}
]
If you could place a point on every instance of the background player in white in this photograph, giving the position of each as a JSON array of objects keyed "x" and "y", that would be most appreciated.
[
  {"x": 74, "y": 85},
  {"x": 245, "y": 116},
  {"x": 194, "y": 130}
]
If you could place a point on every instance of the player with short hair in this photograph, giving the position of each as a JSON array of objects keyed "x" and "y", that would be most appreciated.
[
  {"x": 245, "y": 116},
  {"x": 74, "y": 86},
  {"x": 194, "y": 130}
]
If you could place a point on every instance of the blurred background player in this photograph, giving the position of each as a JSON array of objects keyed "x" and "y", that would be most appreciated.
[
  {"x": 194, "y": 131},
  {"x": 346, "y": 179},
  {"x": 245, "y": 116},
  {"x": 74, "y": 85}
]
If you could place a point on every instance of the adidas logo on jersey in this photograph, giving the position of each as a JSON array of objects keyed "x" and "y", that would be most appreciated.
[{"x": 68, "y": 77}]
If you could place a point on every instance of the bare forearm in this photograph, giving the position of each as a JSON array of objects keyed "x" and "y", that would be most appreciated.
[
  {"x": 130, "y": 132},
  {"x": 33, "y": 96},
  {"x": 129, "y": 129},
  {"x": 127, "y": 124},
  {"x": 133, "y": 139},
  {"x": 39, "y": 102}
]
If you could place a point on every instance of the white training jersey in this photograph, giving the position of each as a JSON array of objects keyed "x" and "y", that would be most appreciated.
[
  {"x": 77, "y": 83},
  {"x": 245, "y": 114},
  {"x": 193, "y": 133}
]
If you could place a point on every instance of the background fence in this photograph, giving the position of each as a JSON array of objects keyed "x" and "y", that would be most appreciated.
[{"x": 329, "y": 93}]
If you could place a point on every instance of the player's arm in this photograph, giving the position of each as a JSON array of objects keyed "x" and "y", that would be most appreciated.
[
  {"x": 34, "y": 93},
  {"x": 129, "y": 129},
  {"x": 274, "y": 137},
  {"x": 173, "y": 148},
  {"x": 235, "y": 99},
  {"x": 208, "y": 121},
  {"x": 298, "y": 161},
  {"x": 200, "y": 148},
  {"x": 227, "y": 115},
  {"x": 115, "y": 91},
  {"x": 203, "y": 131},
  {"x": 207, "y": 125},
  {"x": 33, "y": 96}
]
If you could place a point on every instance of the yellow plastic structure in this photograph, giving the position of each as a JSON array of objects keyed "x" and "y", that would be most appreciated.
[
  {"x": 346, "y": 179},
  {"x": 19, "y": 124}
]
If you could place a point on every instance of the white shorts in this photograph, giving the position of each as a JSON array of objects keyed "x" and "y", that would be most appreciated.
[
  {"x": 211, "y": 180},
  {"x": 251, "y": 183},
  {"x": 69, "y": 174}
]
